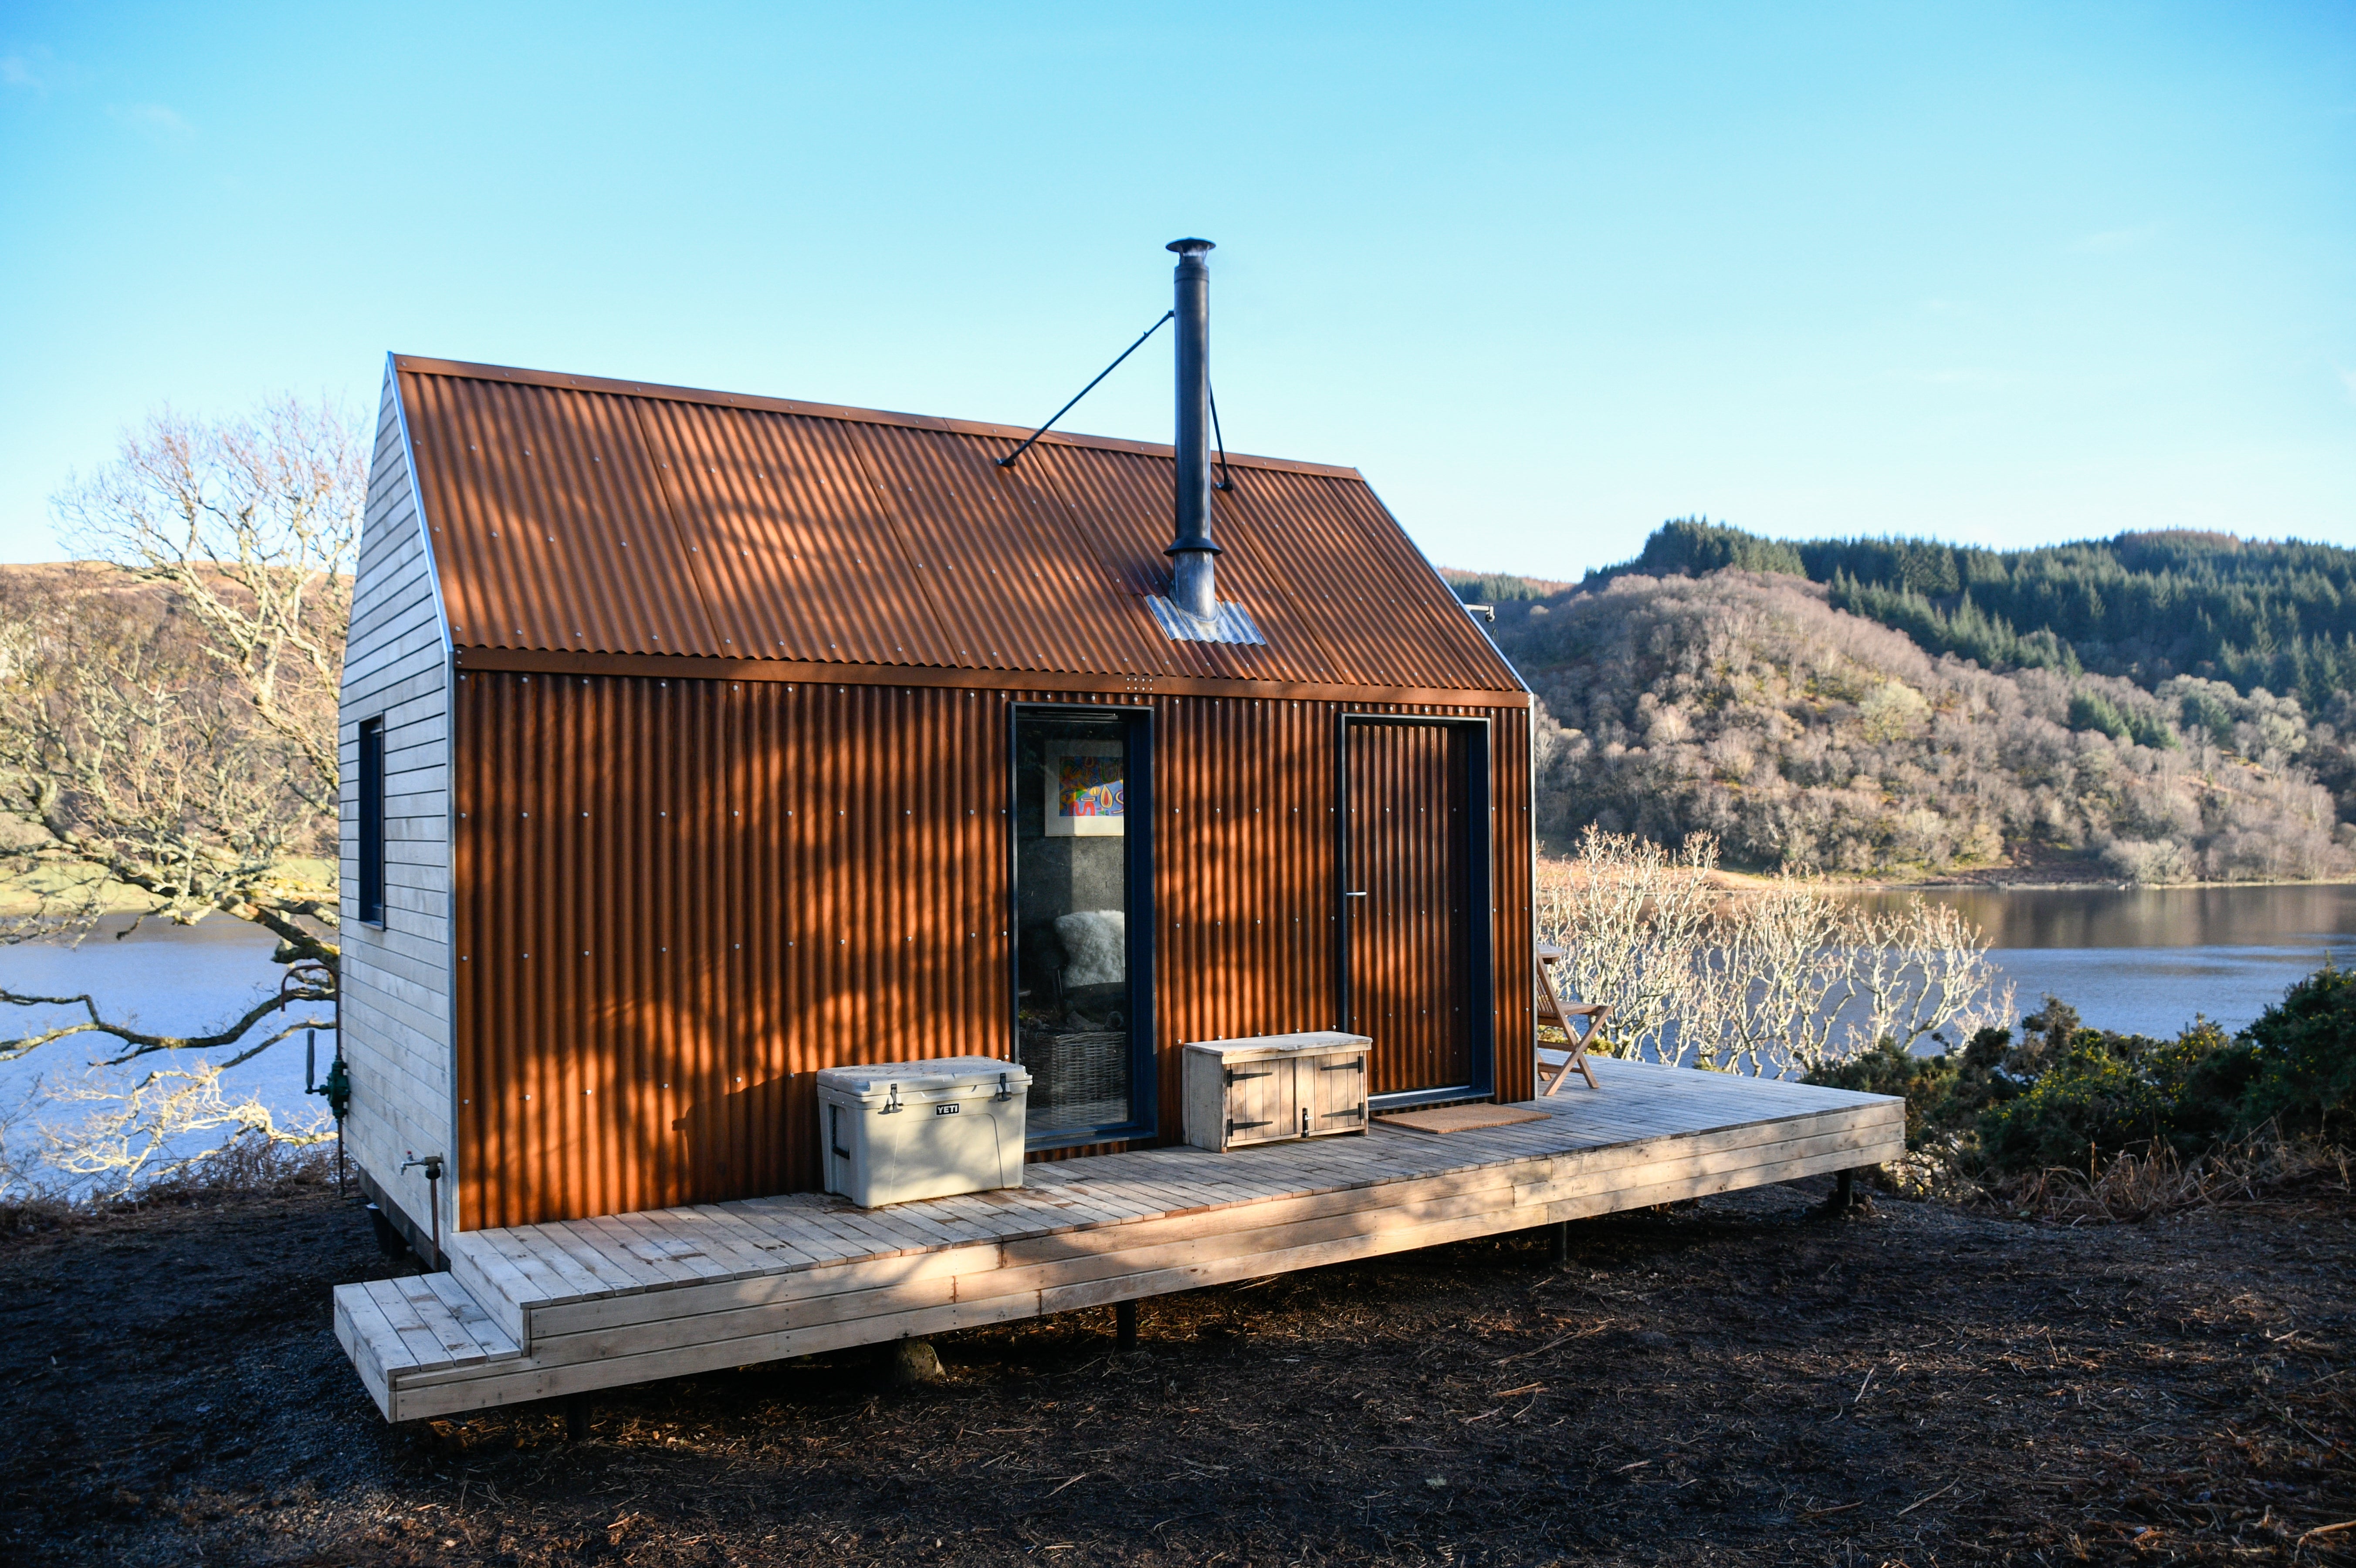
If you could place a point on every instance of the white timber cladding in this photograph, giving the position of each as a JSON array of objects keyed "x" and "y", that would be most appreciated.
[{"x": 396, "y": 983}]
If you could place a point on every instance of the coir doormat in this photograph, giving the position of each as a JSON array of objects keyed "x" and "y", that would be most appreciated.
[{"x": 1448, "y": 1119}]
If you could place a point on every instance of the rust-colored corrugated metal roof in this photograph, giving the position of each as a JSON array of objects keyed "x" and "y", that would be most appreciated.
[{"x": 600, "y": 520}]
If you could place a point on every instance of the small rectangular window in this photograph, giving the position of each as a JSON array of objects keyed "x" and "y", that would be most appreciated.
[{"x": 371, "y": 823}]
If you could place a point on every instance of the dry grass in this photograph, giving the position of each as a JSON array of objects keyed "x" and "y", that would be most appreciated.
[
  {"x": 2141, "y": 1187},
  {"x": 242, "y": 1169}
]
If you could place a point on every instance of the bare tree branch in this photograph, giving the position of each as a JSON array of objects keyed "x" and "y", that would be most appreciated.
[
  {"x": 252, "y": 524},
  {"x": 143, "y": 1044},
  {"x": 158, "y": 1129},
  {"x": 134, "y": 777},
  {"x": 167, "y": 708},
  {"x": 1765, "y": 982}
]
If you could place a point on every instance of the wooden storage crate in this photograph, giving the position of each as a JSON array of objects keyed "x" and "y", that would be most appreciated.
[{"x": 1273, "y": 1087}]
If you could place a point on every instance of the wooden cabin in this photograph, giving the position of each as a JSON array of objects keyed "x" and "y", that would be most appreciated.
[{"x": 695, "y": 741}]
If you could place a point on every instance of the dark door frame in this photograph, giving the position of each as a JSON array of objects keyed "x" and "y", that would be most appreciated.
[
  {"x": 1480, "y": 949},
  {"x": 1137, "y": 841}
]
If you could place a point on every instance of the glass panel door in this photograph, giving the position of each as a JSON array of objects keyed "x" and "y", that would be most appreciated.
[{"x": 1080, "y": 927}]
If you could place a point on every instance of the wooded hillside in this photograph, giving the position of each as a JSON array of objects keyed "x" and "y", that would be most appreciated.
[
  {"x": 1747, "y": 703},
  {"x": 2256, "y": 614}
]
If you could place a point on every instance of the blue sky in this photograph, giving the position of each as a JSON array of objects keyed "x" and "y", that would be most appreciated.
[{"x": 1549, "y": 275}]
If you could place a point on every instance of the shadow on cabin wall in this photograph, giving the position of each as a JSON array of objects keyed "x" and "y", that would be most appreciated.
[{"x": 723, "y": 1136}]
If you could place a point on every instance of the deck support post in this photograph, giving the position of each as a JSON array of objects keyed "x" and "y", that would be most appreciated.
[
  {"x": 576, "y": 1418},
  {"x": 1558, "y": 1243},
  {"x": 1844, "y": 1199},
  {"x": 1124, "y": 1325}
]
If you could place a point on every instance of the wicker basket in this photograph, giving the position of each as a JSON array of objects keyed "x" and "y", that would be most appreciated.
[{"x": 1073, "y": 1069}]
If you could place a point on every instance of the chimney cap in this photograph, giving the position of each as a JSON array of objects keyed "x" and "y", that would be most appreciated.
[{"x": 1190, "y": 246}]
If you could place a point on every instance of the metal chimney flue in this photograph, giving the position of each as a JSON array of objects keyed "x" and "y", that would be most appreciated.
[{"x": 1194, "y": 585}]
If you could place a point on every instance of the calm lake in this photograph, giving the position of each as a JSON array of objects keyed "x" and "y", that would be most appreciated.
[{"x": 2145, "y": 962}]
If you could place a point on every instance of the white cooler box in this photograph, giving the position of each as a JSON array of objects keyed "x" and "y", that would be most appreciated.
[{"x": 896, "y": 1131}]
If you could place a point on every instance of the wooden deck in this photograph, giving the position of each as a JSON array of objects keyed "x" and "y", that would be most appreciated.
[{"x": 540, "y": 1310}]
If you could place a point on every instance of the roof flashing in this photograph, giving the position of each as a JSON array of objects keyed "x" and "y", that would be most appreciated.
[{"x": 1233, "y": 623}]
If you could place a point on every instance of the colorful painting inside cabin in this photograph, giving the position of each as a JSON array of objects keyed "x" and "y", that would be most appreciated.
[{"x": 1083, "y": 791}]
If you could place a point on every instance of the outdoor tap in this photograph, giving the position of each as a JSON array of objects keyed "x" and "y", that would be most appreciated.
[{"x": 431, "y": 1165}]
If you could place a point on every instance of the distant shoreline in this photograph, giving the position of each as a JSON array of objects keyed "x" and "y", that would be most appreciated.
[{"x": 1991, "y": 879}]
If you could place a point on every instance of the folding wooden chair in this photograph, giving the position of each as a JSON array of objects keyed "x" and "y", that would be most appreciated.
[{"x": 1552, "y": 1009}]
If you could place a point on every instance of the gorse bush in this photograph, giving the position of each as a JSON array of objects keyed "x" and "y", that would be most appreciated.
[
  {"x": 2304, "y": 1072},
  {"x": 1943, "y": 1094},
  {"x": 2057, "y": 1094},
  {"x": 2105, "y": 1091}
]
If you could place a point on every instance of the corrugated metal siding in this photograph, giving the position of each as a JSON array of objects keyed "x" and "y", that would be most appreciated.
[
  {"x": 723, "y": 886},
  {"x": 678, "y": 899},
  {"x": 1246, "y": 901},
  {"x": 618, "y": 523},
  {"x": 1409, "y": 938}
]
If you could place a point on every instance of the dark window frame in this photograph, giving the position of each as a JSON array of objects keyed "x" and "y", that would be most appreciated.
[
  {"x": 1478, "y": 845},
  {"x": 370, "y": 810},
  {"x": 1138, "y": 839}
]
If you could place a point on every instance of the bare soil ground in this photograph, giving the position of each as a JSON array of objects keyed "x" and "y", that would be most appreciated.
[{"x": 1740, "y": 1382}]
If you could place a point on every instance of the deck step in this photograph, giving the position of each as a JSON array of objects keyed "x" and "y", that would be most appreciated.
[{"x": 396, "y": 1329}]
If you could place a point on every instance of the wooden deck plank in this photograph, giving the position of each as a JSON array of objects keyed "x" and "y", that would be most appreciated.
[
  {"x": 725, "y": 1244},
  {"x": 420, "y": 1344},
  {"x": 772, "y": 1289},
  {"x": 935, "y": 1232},
  {"x": 458, "y": 1346},
  {"x": 565, "y": 1248},
  {"x": 656, "y": 1262},
  {"x": 602, "y": 1244},
  {"x": 774, "y": 1251},
  {"x": 1119, "y": 1249},
  {"x": 462, "y": 1304},
  {"x": 673, "y": 1360},
  {"x": 548, "y": 1254},
  {"x": 370, "y": 1342},
  {"x": 499, "y": 1270}
]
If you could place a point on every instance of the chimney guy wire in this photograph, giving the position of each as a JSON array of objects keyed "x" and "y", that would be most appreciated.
[
  {"x": 1008, "y": 460},
  {"x": 1226, "y": 480}
]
